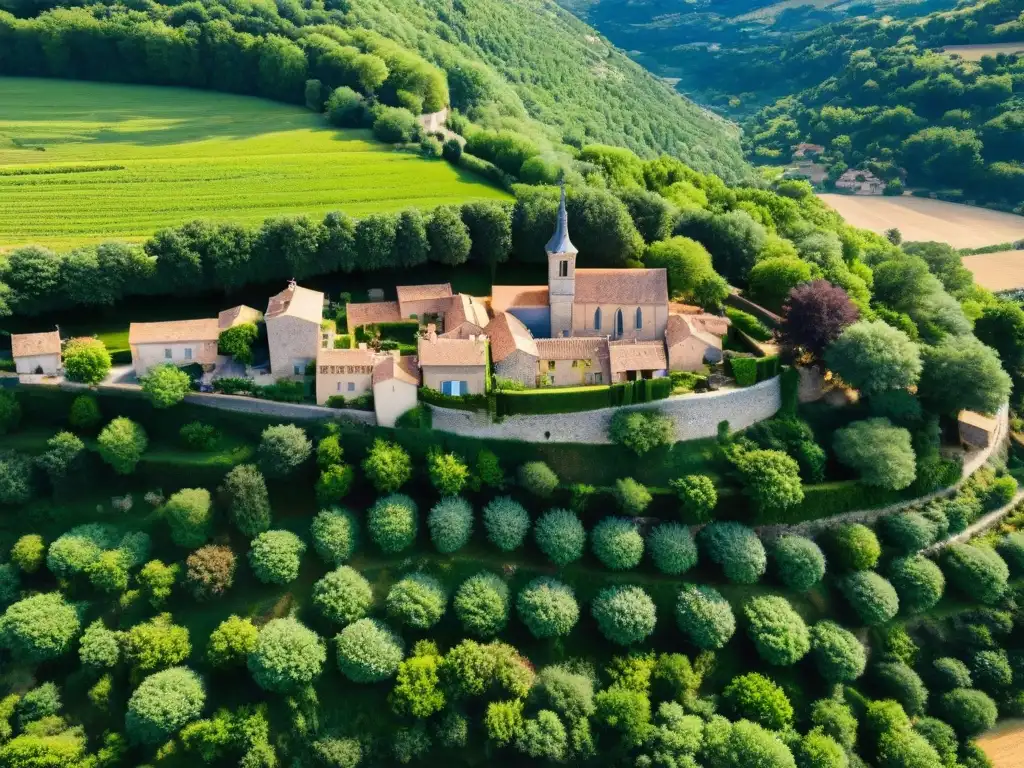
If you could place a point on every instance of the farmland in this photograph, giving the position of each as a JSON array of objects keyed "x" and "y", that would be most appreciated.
[
  {"x": 919, "y": 218},
  {"x": 86, "y": 162},
  {"x": 1005, "y": 744},
  {"x": 1002, "y": 271}
]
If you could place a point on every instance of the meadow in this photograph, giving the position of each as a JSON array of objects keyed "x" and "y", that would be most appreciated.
[{"x": 86, "y": 162}]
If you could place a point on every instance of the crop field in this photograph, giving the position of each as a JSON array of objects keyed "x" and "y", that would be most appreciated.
[
  {"x": 86, "y": 162},
  {"x": 1004, "y": 745},
  {"x": 1002, "y": 271},
  {"x": 920, "y": 218},
  {"x": 975, "y": 52}
]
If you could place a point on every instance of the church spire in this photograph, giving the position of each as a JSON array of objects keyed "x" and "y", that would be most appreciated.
[{"x": 560, "y": 242}]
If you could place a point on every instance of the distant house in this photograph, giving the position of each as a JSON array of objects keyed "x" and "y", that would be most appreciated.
[
  {"x": 977, "y": 430},
  {"x": 573, "y": 361},
  {"x": 239, "y": 315},
  {"x": 631, "y": 360},
  {"x": 803, "y": 150},
  {"x": 860, "y": 182},
  {"x": 453, "y": 366},
  {"x": 37, "y": 353},
  {"x": 181, "y": 342},
  {"x": 513, "y": 349},
  {"x": 396, "y": 381},
  {"x": 293, "y": 319},
  {"x": 693, "y": 339}
]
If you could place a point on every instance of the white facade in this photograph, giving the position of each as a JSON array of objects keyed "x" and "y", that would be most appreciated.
[
  {"x": 180, "y": 353},
  {"x": 44, "y": 364},
  {"x": 391, "y": 399}
]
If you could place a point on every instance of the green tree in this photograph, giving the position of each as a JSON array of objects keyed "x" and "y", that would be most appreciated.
[
  {"x": 882, "y": 454},
  {"x": 368, "y": 651},
  {"x": 838, "y": 654},
  {"x": 121, "y": 444},
  {"x": 275, "y": 556},
  {"x": 287, "y": 656},
  {"x": 163, "y": 703},
  {"x": 771, "y": 280},
  {"x": 771, "y": 479},
  {"x": 343, "y": 595},
  {"x": 166, "y": 385},
  {"x": 448, "y": 235},
  {"x": 874, "y": 357},
  {"x": 697, "y": 497},
  {"x": 756, "y": 698},
  {"x": 393, "y": 523},
  {"x": 237, "y": 341},
  {"x": 335, "y": 534},
  {"x": 156, "y": 644},
  {"x": 84, "y": 415},
  {"x": 283, "y": 449},
  {"x": 617, "y": 543},
  {"x": 86, "y": 361},
  {"x": 387, "y": 466},
  {"x": 189, "y": 513},
  {"x": 962, "y": 373},
  {"x": 506, "y": 522},
  {"x": 418, "y": 601},
  {"x": 625, "y": 614},
  {"x": 641, "y": 431},
  {"x": 548, "y": 608},
  {"x": 231, "y": 642},
  {"x": 39, "y": 628},
  {"x": 799, "y": 562},
  {"x": 244, "y": 493},
  {"x": 561, "y": 536},
  {"x": 448, "y": 472},
  {"x": 777, "y": 631}
]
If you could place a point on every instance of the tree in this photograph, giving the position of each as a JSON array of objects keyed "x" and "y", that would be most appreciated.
[
  {"x": 672, "y": 548},
  {"x": 155, "y": 644},
  {"x": 275, "y": 556},
  {"x": 237, "y": 342},
  {"x": 686, "y": 261},
  {"x": 874, "y": 357},
  {"x": 882, "y": 454},
  {"x": 387, "y": 466},
  {"x": 1001, "y": 326},
  {"x": 908, "y": 532},
  {"x": 872, "y": 598},
  {"x": 15, "y": 478},
  {"x": 42, "y": 701},
  {"x": 190, "y": 515},
  {"x": 625, "y": 711},
  {"x": 157, "y": 579},
  {"x": 963, "y": 374},
  {"x": 334, "y": 483},
  {"x": 970, "y": 712},
  {"x": 737, "y": 549},
  {"x": 283, "y": 449},
  {"x": 482, "y": 604},
  {"x": 771, "y": 479},
  {"x": 978, "y": 573},
  {"x": 39, "y": 628},
  {"x": 210, "y": 571},
  {"x": 368, "y": 651},
  {"x": 28, "y": 553},
  {"x": 244, "y": 492},
  {"x": 506, "y": 522},
  {"x": 625, "y": 614},
  {"x": 417, "y": 685},
  {"x": 448, "y": 236},
  {"x": 641, "y": 431},
  {"x": 779, "y": 634},
  {"x": 343, "y": 595},
  {"x": 855, "y": 547},
  {"x": 814, "y": 315},
  {"x": 448, "y": 472},
  {"x": 163, "y": 703},
  {"x": 734, "y": 239},
  {"x": 231, "y": 642},
  {"x": 945, "y": 262},
  {"x": 109, "y": 572},
  {"x": 697, "y": 497},
  {"x": 617, "y": 543},
  {"x": 451, "y": 524},
  {"x": 84, "y": 415},
  {"x": 538, "y": 478},
  {"x": 756, "y": 698},
  {"x": 631, "y": 496},
  {"x": 166, "y": 385},
  {"x": 335, "y": 534},
  {"x": 63, "y": 461},
  {"x": 121, "y": 444},
  {"x": 838, "y": 654},
  {"x": 548, "y": 608},
  {"x": 744, "y": 745},
  {"x": 86, "y": 361},
  {"x": 346, "y": 108},
  {"x": 287, "y": 656},
  {"x": 393, "y": 523},
  {"x": 412, "y": 248},
  {"x": 772, "y": 280},
  {"x": 489, "y": 225},
  {"x": 10, "y": 412},
  {"x": 395, "y": 125},
  {"x": 918, "y": 582},
  {"x": 561, "y": 536},
  {"x": 418, "y": 601}
]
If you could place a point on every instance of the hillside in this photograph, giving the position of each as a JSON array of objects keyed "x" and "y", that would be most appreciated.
[{"x": 526, "y": 65}]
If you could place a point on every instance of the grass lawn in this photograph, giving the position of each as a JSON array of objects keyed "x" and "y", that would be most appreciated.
[{"x": 85, "y": 162}]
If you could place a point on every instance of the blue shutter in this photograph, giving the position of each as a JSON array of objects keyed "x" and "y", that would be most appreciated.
[{"x": 446, "y": 387}]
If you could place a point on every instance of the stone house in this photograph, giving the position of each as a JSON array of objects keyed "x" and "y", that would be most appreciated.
[
  {"x": 860, "y": 182},
  {"x": 369, "y": 313},
  {"x": 181, "y": 342},
  {"x": 239, "y": 315},
  {"x": 693, "y": 340},
  {"x": 344, "y": 372},
  {"x": 573, "y": 362},
  {"x": 464, "y": 316},
  {"x": 36, "y": 353},
  {"x": 529, "y": 303},
  {"x": 630, "y": 360},
  {"x": 977, "y": 430},
  {"x": 513, "y": 350},
  {"x": 453, "y": 366},
  {"x": 396, "y": 381},
  {"x": 293, "y": 319},
  {"x": 419, "y": 300}
]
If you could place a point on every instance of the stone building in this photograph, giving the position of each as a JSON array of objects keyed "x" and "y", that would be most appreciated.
[
  {"x": 239, "y": 315},
  {"x": 294, "y": 335},
  {"x": 693, "y": 340},
  {"x": 344, "y": 372},
  {"x": 453, "y": 366},
  {"x": 513, "y": 349},
  {"x": 396, "y": 381},
  {"x": 573, "y": 362},
  {"x": 37, "y": 353},
  {"x": 181, "y": 342},
  {"x": 632, "y": 359}
]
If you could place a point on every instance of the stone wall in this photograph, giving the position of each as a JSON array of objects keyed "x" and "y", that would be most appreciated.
[{"x": 695, "y": 416}]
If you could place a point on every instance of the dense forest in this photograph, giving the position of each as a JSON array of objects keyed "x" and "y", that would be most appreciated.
[{"x": 526, "y": 65}]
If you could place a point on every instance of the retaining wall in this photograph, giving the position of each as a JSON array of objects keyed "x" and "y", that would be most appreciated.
[{"x": 695, "y": 416}]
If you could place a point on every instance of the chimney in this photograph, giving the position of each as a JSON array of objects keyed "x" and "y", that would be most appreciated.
[
  {"x": 292, "y": 284},
  {"x": 431, "y": 332}
]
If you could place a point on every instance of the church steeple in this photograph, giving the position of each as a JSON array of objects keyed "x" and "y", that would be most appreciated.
[
  {"x": 560, "y": 242},
  {"x": 561, "y": 274}
]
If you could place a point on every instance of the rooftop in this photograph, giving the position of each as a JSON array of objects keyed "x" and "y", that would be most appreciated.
[
  {"x": 424, "y": 292},
  {"x": 441, "y": 351},
  {"x": 205, "y": 329},
  {"x": 239, "y": 315},
  {"x": 505, "y": 297},
  {"x": 463, "y": 308},
  {"x": 398, "y": 368},
  {"x": 572, "y": 348},
  {"x": 708, "y": 328},
  {"x": 974, "y": 419},
  {"x": 508, "y": 334},
  {"x": 345, "y": 356},
  {"x": 636, "y": 356},
  {"x": 373, "y": 312},
  {"x": 296, "y": 301},
  {"x": 560, "y": 242},
  {"x": 621, "y": 286},
  {"x": 25, "y": 344}
]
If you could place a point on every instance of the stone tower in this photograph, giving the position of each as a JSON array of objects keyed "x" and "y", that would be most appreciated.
[{"x": 561, "y": 274}]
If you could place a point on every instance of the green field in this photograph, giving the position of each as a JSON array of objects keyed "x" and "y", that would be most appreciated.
[{"x": 86, "y": 162}]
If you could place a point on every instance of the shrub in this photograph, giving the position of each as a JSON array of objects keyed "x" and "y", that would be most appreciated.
[
  {"x": 190, "y": 515},
  {"x": 84, "y": 415},
  {"x": 641, "y": 431},
  {"x": 157, "y": 579},
  {"x": 275, "y": 556},
  {"x": 754, "y": 697},
  {"x": 548, "y": 608},
  {"x": 86, "y": 361},
  {"x": 368, "y": 651},
  {"x": 907, "y": 532},
  {"x": 283, "y": 449},
  {"x": 625, "y": 614},
  {"x": 543, "y": 737},
  {"x": 197, "y": 436},
  {"x": 337, "y": 753},
  {"x": 900, "y": 683},
  {"x": 779, "y": 634},
  {"x": 451, "y": 524},
  {"x": 771, "y": 480},
  {"x": 561, "y": 536},
  {"x": 970, "y": 712},
  {"x": 16, "y": 477},
  {"x": 343, "y": 595},
  {"x": 818, "y": 750},
  {"x": 210, "y": 571},
  {"x": 63, "y": 462},
  {"x": 393, "y": 523},
  {"x": 737, "y": 549},
  {"x": 878, "y": 451},
  {"x": 335, "y": 534},
  {"x": 918, "y": 582},
  {"x": 73, "y": 552},
  {"x": 10, "y": 584},
  {"x": 418, "y": 601},
  {"x": 10, "y": 412},
  {"x": 838, "y": 653},
  {"x": 626, "y": 711},
  {"x": 978, "y": 573},
  {"x": 941, "y": 736},
  {"x": 245, "y": 493},
  {"x": 231, "y": 642},
  {"x": 387, "y": 466},
  {"x": 855, "y": 547},
  {"x": 287, "y": 656},
  {"x": 481, "y": 604},
  {"x": 746, "y": 744},
  {"x": 697, "y": 497},
  {"x": 834, "y": 718},
  {"x": 28, "y": 553},
  {"x": 448, "y": 472},
  {"x": 166, "y": 385},
  {"x": 163, "y": 703},
  {"x": 109, "y": 572},
  {"x": 631, "y": 496},
  {"x": 538, "y": 478},
  {"x": 672, "y": 548},
  {"x": 798, "y": 561},
  {"x": 617, "y": 543},
  {"x": 567, "y": 692},
  {"x": 704, "y": 616},
  {"x": 991, "y": 671},
  {"x": 156, "y": 643},
  {"x": 872, "y": 598},
  {"x": 506, "y": 522},
  {"x": 949, "y": 673},
  {"x": 121, "y": 444},
  {"x": 39, "y": 628},
  {"x": 99, "y": 647},
  {"x": 334, "y": 484},
  {"x": 1010, "y": 547}
]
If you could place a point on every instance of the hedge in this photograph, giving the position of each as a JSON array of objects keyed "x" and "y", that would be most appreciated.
[
  {"x": 542, "y": 401},
  {"x": 641, "y": 391},
  {"x": 744, "y": 370},
  {"x": 459, "y": 402},
  {"x": 402, "y": 331},
  {"x": 767, "y": 367}
]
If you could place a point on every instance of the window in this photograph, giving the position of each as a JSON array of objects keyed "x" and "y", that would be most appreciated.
[
  {"x": 351, "y": 386},
  {"x": 551, "y": 365},
  {"x": 597, "y": 319},
  {"x": 167, "y": 354},
  {"x": 453, "y": 388},
  {"x": 299, "y": 369},
  {"x": 597, "y": 378},
  {"x": 575, "y": 363},
  {"x": 563, "y": 269},
  {"x": 618, "y": 322},
  {"x": 188, "y": 353},
  {"x": 339, "y": 386},
  {"x": 639, "y": 318}
]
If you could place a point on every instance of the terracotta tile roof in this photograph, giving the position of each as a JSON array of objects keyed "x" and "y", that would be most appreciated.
[
  {"x": 504, "y": 297},
  {"x": 621, "y": 286},
  {"x": 675, "y": 308},
  {"x": 239, "y": 315},
  {"x": 423, "y": 292},
  {"x": 401, "y": 369},
  {"x": 345, "y": 356},
  {"x": 636, "y": 356},
  {"x": 707, "y": 328},
  {"x": 441, "y": 351},
  {"x": 206, "y": 329},
  {"x": 507, "y": 334},
  {"x": 572, "y": 348},
  {"x": 25, "y": 344},
  {"x": 463, "y": 308},
  {"x": 974, "y": 419},
  {"x": 372, "y": 312},
  {"x": 296, "y": 301}
]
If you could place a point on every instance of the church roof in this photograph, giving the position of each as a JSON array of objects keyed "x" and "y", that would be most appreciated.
[
  {"x": 621, "y": 286},
  {"x": 560, "y": 242}
]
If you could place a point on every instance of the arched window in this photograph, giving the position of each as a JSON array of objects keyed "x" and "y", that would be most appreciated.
[
  {"x": 639, "y": 318},
  {"x": 597, "y": 319},
  {"x": 618, "y": 322}
]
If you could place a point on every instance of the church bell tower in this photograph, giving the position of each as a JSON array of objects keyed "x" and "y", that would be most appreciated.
[{"x": 561, "y": 274}]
